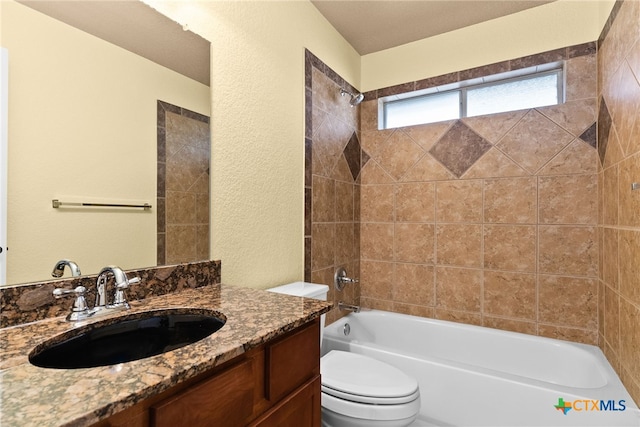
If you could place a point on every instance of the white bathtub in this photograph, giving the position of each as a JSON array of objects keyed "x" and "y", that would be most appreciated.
[{"x": 475, "y": 376}]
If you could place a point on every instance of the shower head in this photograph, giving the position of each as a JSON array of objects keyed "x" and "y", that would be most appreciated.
[{"x": 356, "y": 98}]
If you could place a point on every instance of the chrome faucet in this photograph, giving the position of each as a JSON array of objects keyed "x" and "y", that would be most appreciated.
[
  {"x": 58, "y": 269},
  {"x": 340, "y": 279},
  {"x": 348, "y": 307},
  {"x": 81, "y": 311},
  {"x": 121, "y": 283}
]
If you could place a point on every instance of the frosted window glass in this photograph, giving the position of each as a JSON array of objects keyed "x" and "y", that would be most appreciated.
[
  {"x": 422, "y": 109},
  {"x": 515, "y": 95}
]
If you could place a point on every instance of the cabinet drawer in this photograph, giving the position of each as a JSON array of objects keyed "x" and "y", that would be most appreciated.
[
  {"x": 223, "y": 400},
  {"x": 292, "y": 360},
  {"x": 300, "y": 409}
]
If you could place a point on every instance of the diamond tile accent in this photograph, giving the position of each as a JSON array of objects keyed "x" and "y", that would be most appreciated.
[
  {"x": 459, "y": 148},
  {"x": 604, "y": 127},
  {"x": 352, "y": 154},
  {"x": 590, "y": 135}
]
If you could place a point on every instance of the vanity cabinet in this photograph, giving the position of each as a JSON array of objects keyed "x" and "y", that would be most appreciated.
[{"x": 275, "y": 384}]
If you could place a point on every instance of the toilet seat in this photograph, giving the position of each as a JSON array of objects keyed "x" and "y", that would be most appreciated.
[{"x": 362, "y": 387}]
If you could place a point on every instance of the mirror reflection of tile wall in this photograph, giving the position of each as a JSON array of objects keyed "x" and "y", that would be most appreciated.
[{"x": 183, "y": 185}]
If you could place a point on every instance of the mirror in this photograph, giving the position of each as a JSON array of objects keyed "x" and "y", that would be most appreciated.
[{"x": 83, "y": 127}]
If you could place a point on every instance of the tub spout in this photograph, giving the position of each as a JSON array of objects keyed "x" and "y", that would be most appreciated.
[{"x": 348, "y": 307}]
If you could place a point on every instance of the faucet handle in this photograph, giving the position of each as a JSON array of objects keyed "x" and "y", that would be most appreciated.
[
  {"x": 79, "y": 310},
  {"x": 119, "y": 298}
]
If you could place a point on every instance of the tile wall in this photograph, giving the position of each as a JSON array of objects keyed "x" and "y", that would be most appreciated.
[
  {"x": 619, "y": 213},
  {"x": 490, "y": 220},
  {"x": 183, "y": 185},
  {"x": 332, "y": 173}
]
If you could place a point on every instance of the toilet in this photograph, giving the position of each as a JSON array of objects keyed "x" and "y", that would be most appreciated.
[{"x": 357, "y": 390}]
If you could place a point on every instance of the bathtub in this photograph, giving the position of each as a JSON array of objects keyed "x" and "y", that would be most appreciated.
[{"x": 475, "y": 376}]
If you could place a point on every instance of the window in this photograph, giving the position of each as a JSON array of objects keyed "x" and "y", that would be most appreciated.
[{"x": 489, "y": 95}]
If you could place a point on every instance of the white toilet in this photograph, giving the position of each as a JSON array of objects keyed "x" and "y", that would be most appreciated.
[{"x": 359, "y": 391}]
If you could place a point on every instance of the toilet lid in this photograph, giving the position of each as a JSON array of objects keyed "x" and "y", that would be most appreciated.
[{"x": 364, "y": 379}]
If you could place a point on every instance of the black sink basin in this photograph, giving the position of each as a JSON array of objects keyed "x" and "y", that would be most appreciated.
[{"x": 126, "y": 338}]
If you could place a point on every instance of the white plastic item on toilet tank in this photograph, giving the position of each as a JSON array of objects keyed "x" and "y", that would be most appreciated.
[{"x": 307, "y": 290}]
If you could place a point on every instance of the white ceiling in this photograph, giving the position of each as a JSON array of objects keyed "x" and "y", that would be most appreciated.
[
  {"x": 368, "y": 25},
  {"x": 374, "y": 25}
]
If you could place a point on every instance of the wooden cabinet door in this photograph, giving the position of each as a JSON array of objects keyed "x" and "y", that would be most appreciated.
[
  {"x": 300, "y": 409},
  {"x": 225, "y": 400}
]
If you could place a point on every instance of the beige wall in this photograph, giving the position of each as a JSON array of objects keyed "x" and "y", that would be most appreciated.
[
  {"x": 257, "y": 128},
  {"x": 544, "y": 28},
  {"x": 619, "y": 213},
  {"x": 82, "y": 124}
]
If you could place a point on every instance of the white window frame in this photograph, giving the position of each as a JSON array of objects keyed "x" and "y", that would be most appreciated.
[{"x": 557, "y": 68}]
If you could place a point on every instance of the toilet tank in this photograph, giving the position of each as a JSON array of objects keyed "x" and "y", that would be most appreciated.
[{"x": 307, "y": 290}]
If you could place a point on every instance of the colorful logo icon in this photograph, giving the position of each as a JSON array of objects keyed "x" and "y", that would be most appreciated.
[{"x": 563, "y": 406}]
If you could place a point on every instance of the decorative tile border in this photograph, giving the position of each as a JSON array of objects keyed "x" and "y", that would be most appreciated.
[
  {"x": 35, "y": 301},
  {"x": 487, "y": 70}
]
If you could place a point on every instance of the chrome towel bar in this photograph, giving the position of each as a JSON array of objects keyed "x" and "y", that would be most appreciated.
[{"x": 58, "y": 204}]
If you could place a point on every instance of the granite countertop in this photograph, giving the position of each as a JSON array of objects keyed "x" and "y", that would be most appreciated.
[{"x": 31, "y": 396}]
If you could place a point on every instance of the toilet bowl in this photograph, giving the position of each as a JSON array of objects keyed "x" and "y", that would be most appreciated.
[{"x": 357, "y": 390}]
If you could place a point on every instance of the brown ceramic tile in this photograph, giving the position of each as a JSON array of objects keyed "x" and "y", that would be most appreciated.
[
  {"x": 534, "y": 141},
  {"x": 630, "y": 341},
  {"x": 414, "y": 310},
  {"x": 376, "y": 241},
  {"x": 577, "y": 158},
  {"x": 581, "y": 77},
  {"x": 345, "y": 251},
  {"x": 584, "y": 336},
  {"x": 398, "y": 154},
  {"x": 558, "y": 297},
  {"x": 323, "y": 207},
  {"x": 459, "y": 148},
  {"x": 414, "y": 242},
  {"x": 610, "y": 196},
  {"x": 377, "y": 203},
  {"x": 415, "y": 202},
  {"x": 568, "y": 199},
  {"x": 323, "y": 237},
  {"x": 573, "y": 116},
  {"x": 629, "y": 200},
  {"x": 494, "y": 164},
  {"x": 377, "y": 304},
  {"x": 427, "y": 169},
  {"x": 369, "y": 115},
  {"x": 512, "y": 200},
  {"x": 372, "y": 173},
  {"x": 414, "y": 284},
  {"x": 459, "y": 201},
  {"x": 458, "y": 316},
  {"x": 376, "y": 279},
  {"x": 510, "y": 294},
  {"x": 601, "y": 308},
  {"x": 510, "y": 247},
  {"x": 458, "y": 289},
  {"x": 578, "y": 254},
  {"x": 344, "y": 201},
  {"x": 624, "y": 103},
  {"x": 612, "y": 317},
  {"x": 427, "y": 135},
  {"x": 180, "y": 243},
  {"x": 629, "y": 268},
  {"x": 459, "y": 244},
  {"x": 604, "y": 127},
  {"x": 510, "y": 325},
  {"x": 493, "y": 127},
  {"x": 610, "y": 257}
]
